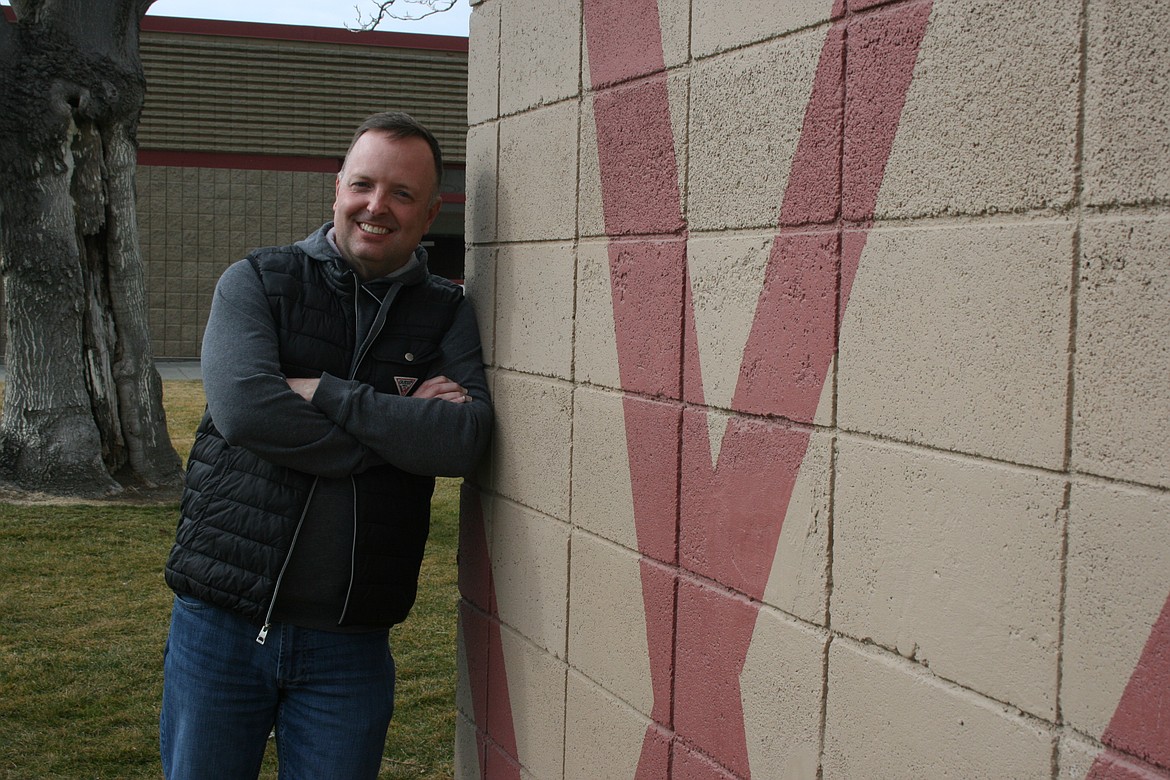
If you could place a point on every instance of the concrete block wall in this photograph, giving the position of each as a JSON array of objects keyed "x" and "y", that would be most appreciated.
[
  {"x": 830, "y": 343},
  {"x": 195, "y": 222}
]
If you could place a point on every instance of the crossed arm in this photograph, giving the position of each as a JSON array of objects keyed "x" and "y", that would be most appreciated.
[{"x": 331, "y": 426}]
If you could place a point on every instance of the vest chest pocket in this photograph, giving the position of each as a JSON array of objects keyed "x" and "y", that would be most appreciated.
[{"x": 397, "y": 364}]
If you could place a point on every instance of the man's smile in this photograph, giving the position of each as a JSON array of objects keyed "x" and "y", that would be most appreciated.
[{"x": 377, "y": 230}]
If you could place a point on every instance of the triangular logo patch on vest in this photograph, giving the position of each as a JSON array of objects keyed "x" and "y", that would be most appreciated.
[{"x": 405, "y": 384}]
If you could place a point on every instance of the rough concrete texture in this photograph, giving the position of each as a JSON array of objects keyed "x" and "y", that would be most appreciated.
[
  {"x": 921, "y": 546},
  {"x": 758, "y": 95},
  {"x": 1118, "y": 556},
  {"x": 594, "y": 344},
  {"x": 540, "y": 53},
  {"x": 603, "y": 501},
  {"x": 990, "y": 120},
  {"x": 603, "y": 735},
  {"x": 714, "y": 30},
  {"x": 1127, "y": 104},
  {"x": 479, "y": 285},
  {"x": 976, "y": 358},
  {"x": 607, "y": 620},
  {"x": 781, "y": 688},
  {"x": 537, "y": 175},
  {"x": 534, "y": 308},
  {"x": 536, "y": 688},
  {"x": 530, "y": 565},
  {"x": 591, "y": 214},
  {"x": 829, "y": 344},
  {"x": 798, "y": 582},
  {"x": 530, "y": 462},
  {"x": 889, "y": 718},
  {"x": 1122, "y": 419},
  {"x": 481, "y": 183},
  {"x": 726, "y": 276},
  {"x": 483, "y": 77}
]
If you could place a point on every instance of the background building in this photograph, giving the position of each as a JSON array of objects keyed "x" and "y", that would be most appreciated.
[
  {"x": 244, "y": 128},
  {"x": 830, "y": 346}
]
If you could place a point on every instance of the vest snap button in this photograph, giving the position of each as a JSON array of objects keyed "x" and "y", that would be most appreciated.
[{"x": 409, "y": 356}]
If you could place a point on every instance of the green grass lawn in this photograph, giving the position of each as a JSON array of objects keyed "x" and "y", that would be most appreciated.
[{"x": 83, "y": 620}]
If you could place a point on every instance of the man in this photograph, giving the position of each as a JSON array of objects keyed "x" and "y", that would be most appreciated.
[{"x": 341, "y": 378}]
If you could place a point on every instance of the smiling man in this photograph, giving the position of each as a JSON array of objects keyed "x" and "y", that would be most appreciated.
[{"x": 341, "y": 378}]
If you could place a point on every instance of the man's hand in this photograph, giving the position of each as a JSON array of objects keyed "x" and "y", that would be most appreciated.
[
  {"x": 305, "y": 388},
  {"x": 444, "y": 389}
]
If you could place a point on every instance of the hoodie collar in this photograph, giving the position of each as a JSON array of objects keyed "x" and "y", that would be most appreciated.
[{"x": 321, "y": 246}]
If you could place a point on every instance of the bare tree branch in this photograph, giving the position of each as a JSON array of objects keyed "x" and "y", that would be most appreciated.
[{"x": 382, "y": 11}]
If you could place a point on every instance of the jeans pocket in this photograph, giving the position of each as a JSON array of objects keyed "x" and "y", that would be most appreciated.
[{"x": 190, "y": 602}]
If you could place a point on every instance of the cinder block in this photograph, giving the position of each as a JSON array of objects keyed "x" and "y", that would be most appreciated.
[
  {"x": 530, "y": 566},
  {"x": 954, "y": 564},
  {"x": 762, "y": 92},
  {"x": 603, "y": 735},
  {"x": 635, "y": 120},
  {"x": 479, "y": 283},
  {"x": 733, "y": 502},
  {"x": 536, "y": 689},
  {"x": 540, "y": 52},
  {"x": 990, "y": 121},
  {"x": 634, "y": 40},
  {"x": 765, "y": 316},
  {"x": 530, "y": 441},
  {"x": 889, "y": 718},
  {"x": 726, "y": 277},
  {"x": 595, "y": 359},
  {"x": 468, "y": 753},
  {"x": 781, "y": 687},
  {"x": 1127, "y": 103},
  {"x": 1122, "y": 400},
  {"x": 603, "y": 474},
  {"x": 481, "y": 180},
  {"x": 537, "y": 193},
  {"x": 1076, "y": 757},
  {"x": 630, "y": 315},
  {"x": 715, "y": 628},
  {"x": 534, "y": 308},
  {"x": 715, "y": 30},
  {"x": 798, "y": 583},
  {"x": 957, "y": 338},
  {"x": 607, "y": 620},
  {"x": 1118, "y": 557},
  {"x": 483, "y": 64},
  {"x": 472, "y": 649}
]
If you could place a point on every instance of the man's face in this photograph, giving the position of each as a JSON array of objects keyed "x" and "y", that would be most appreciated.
[{"x": 386, "y": 199}]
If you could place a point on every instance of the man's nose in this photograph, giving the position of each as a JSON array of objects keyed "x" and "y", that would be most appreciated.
[{"x": 378, "y": 202}]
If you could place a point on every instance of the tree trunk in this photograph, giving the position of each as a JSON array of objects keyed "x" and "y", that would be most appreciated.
[{"x": 83, "y": 409}]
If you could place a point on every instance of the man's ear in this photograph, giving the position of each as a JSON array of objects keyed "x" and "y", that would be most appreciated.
[{"x": 434, "y": 210}]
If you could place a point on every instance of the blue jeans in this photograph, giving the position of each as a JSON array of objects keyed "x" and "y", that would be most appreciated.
[{"x": 328, "y": 695}]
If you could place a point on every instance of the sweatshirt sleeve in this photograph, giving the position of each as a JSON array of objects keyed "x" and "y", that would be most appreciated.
[
  {"x": 432, "y": 437},
  {"x": 250, "y": 401}
]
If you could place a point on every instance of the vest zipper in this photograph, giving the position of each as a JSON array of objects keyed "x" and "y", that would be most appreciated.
[
  {"x": 359, "y": 355},
  {"x": 352, "y": 554},
  {"x": 263, "y": 635}
]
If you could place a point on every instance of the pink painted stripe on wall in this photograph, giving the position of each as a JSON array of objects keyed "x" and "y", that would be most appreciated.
[{"x": 730, "y": 514}]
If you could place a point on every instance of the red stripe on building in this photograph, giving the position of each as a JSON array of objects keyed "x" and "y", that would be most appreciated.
[{"x": 729, "y": 515}]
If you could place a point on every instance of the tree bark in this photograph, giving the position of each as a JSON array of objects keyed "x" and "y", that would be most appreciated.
[{"x": 83, "y": 411}]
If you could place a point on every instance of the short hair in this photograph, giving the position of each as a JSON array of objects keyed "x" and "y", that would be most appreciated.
[{"x": 399, "y": 124}]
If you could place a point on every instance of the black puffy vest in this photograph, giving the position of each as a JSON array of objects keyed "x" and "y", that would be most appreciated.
[{"x": 239, "y": 513}]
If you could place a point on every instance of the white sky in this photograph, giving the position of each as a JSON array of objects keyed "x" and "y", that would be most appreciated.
[{"x": 318, "y": 13}]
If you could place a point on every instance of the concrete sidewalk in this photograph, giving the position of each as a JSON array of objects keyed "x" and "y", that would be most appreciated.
[{"x": 167, "y": 369}]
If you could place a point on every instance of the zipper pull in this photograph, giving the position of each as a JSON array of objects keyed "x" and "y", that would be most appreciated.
[{"x": 263, "y": 634}]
